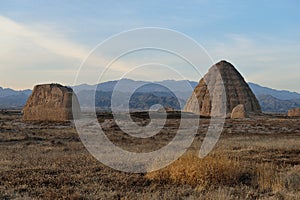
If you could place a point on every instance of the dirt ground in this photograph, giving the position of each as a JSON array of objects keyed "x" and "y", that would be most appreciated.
[{"x": 48, "y": 161}]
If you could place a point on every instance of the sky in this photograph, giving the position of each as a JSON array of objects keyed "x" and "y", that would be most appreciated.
[{"x": 44, "y": 41}]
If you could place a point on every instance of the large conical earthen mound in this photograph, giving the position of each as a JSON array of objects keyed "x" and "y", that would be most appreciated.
[{"x": 222, "y": 86}]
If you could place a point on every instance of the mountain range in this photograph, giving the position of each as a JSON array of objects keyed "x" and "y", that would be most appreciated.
[
  {"x": 169, "y": 93},
  {"x": 278, "y": 94},
  {"x": 10, "y": 98}
]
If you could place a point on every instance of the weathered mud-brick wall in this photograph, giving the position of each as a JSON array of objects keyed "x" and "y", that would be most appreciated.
[
  {"x": 222, "y": 83},
  {"x": 295, "y": 112},
  {"x": 51, "y": 102}
]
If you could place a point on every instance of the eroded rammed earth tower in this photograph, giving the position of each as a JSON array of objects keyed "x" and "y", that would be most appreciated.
[
  {"x": 51, "y": 102},
  {"x": 222, "y": 83}
]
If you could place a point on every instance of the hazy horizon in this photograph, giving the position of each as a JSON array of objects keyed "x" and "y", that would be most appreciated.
[{"x": 140, "y": 80}]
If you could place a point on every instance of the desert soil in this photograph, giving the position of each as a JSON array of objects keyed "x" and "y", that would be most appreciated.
[{"x": 48, "y": 161}]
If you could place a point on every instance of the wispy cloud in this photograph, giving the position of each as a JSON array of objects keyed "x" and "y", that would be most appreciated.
[
  {"x": 59, "y": 46},
  {"x": 30, "y": 55},
  {"x": 27, "y": 48},
  {"x": 265, "y": 60}
]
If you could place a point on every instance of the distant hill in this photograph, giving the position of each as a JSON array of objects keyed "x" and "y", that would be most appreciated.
[
  {"x": 279, "y": 94},
  {"x": 146, "y": 94},
  {"x": 10, "y": 92},
  {"x": 126, "y": 85},
  {"x": 138, "y": 101},
  {"x": 13, "y": 99},
  {"x": 270, "y": 104},
  {"x": 149, "y": 93},
  {"x": 275, "y": 101}
]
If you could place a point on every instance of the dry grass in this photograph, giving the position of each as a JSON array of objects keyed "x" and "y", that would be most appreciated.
[
  {"x": 254, "y": 159},
  {"x": 210, "y": 172},
  {"x": 218, "y": 171}
]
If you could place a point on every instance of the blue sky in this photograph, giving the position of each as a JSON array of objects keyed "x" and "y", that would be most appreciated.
[{"x": 46, "y": 41}]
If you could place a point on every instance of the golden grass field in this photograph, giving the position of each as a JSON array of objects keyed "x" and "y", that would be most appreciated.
[{"x": 256, "y": 158}]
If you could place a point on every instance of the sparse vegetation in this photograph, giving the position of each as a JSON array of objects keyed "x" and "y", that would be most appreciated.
[
  {"x": 219, "y": 170},
  {"x": 254, "y": 159},
  {"x": 210, "y": 172}
]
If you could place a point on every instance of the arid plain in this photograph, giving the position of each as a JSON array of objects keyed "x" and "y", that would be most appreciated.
[{"x": 255, "y": 158}]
